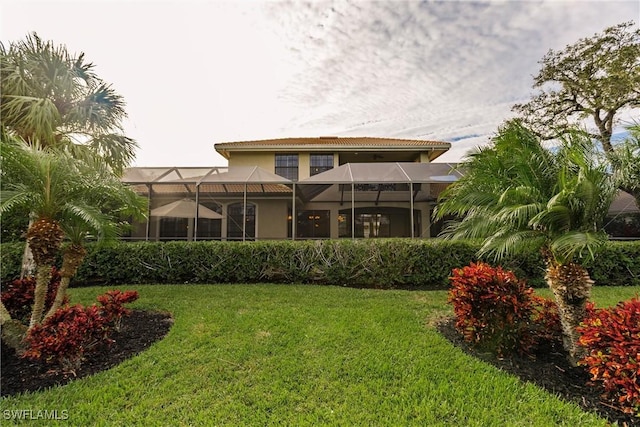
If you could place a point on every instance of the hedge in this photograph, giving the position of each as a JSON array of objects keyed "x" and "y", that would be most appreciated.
[{"x": 384, "y": 263}]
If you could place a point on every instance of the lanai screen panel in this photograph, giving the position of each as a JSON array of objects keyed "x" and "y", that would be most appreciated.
[{"x": 384, "y": 178}]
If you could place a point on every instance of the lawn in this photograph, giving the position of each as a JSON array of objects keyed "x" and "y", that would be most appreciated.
[{"x": 302, "y": 355}]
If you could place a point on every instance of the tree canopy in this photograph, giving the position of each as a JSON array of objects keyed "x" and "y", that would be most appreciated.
[
  {"x": 594, "y": 79},
  {"x": 51, "y": 97},
  {"x": 518, "y": 195}
]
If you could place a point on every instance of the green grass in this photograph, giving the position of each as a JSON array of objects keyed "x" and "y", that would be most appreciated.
[{"x": 302, "y": 355}]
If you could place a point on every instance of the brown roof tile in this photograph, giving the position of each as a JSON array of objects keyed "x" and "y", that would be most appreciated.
[{"x": 331, "y": 141}]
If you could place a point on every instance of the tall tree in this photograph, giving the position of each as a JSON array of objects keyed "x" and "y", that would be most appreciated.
[
  {"x": 62, "y": 193},
  {"x": 626, "y": 158},
  {"x": 589, "y": 82},
  {"x": 51, "y": 97},
  {"x": 519, "y": 196}
]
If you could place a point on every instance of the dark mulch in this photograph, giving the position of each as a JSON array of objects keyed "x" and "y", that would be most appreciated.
[
  {"x": 550, "y": 370},
  {"x": 138, "y": 331}
]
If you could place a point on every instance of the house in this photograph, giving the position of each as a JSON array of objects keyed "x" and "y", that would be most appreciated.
[
  {"x": 311, "y": 188},
  {"x": 298, "y": 188}
]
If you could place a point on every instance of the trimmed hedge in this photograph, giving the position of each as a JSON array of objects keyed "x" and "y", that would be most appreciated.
[{"x": 383, "y": 263}]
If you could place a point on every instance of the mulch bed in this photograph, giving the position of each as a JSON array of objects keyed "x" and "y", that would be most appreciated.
[
  {"x": 138, "y": 331},
  {"x": 550, "y": 370}
]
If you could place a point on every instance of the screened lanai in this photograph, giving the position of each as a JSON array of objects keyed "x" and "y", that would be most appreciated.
[
  {"x": 353, "y": 200},
  {"x": 377, "y": 199},
  {"x": 231, "y": 192}
]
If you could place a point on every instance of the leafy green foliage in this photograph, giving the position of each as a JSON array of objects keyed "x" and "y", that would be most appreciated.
[
  {"x": 13, "y": 227},
  {"x": 51, "y": 97},
  {"x": 594, "y": 78},
  {"x": 626, "y": 161},
  {"x": 612, "y": 338},
  {"x": 520, "y": 197},
  {"x": 592, "y": 82},
  {"x": 384, "y": 263}
]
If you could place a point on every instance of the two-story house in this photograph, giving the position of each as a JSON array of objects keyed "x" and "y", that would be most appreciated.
[{"x": 298, "y": 188}]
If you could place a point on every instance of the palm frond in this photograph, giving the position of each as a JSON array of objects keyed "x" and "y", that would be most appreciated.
[
  {"x": 517, "y": 194},
  {"x": 505, "y": 243},
  {"x": 50, "y": 96},
  {"x": 577, "y": 245}
]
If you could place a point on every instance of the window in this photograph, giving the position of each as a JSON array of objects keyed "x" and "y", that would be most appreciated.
[
  {"x": 174, "y": 228},
  {"x": 378, "y": 222},
  {"x": 209, "y": 229},
  {"x": 235, "y": 216},
  {"x": 287, "y": 166},
  {"x": 313, "y": 224},
  {"x": 320, "y": 163}
]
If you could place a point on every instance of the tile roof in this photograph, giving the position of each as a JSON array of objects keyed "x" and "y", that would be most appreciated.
[{"x": 332, "y": 141}]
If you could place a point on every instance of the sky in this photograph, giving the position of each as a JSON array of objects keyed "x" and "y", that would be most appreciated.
[{"x": 195, "y": 73}]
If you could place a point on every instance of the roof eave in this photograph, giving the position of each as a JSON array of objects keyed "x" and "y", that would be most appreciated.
[{"x": 224, "y": 151}]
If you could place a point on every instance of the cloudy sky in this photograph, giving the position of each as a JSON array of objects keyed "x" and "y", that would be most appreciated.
[{"x": 195, "y": 73}]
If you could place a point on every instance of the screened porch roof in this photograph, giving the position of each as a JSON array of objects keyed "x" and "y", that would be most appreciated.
[
  {"x": 381, "y": 173},
  {"x": 199, "y": 175},
  {"x": 219, "y": 179},
  {"x": 255, "y": 180}
]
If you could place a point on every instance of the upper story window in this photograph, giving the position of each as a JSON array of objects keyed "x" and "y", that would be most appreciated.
[
  {"x": 320, "y": 163},
  {"x": 287, "y": 166}
]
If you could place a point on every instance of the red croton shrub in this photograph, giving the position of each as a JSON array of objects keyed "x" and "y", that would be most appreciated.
[
  {"x": 113, "y": 305},
  {"x": 72, "y": 332},
  {"x": 492, "y": 308},
  {"x": 66, "y": 336},
  {"x": 612, "y": 339},
  {"x": 545, "y": 320},
  {"x": 17, "y": 295}
]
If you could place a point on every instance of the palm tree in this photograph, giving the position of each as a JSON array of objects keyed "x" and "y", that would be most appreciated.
[
  {"x": 53, "y": 98},
  {"x": 101, "y": 227},
  {"x": 518, "y": 196},
  {"x": 626, "y": 159},
  {"x": 62, "y": 193}
]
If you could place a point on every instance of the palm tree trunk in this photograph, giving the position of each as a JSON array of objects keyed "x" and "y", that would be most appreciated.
[
  {"x": 71, "y": 259},
  {"x": 60, "y": 294},
  {"x": 28, "y": 263},
  {"x": 43, "y": 277},
  {"x": 13, "y": 331},
  {"x": 571, "y": 286},
  {"x": 44, "y": 237}
]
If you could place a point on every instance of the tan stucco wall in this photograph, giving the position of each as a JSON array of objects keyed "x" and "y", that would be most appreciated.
[
  {"x": 263, "y": 160},
  {"x": 303, "y": 166},
  {"x": 267, "y": 161}
]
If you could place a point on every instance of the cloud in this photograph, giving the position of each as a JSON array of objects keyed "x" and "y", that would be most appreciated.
[
  {"x": 194, "y": 73},
  {"x": 430, "y": 69}
]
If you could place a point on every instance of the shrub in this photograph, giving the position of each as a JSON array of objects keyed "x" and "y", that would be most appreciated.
[
  {"x": 113, "y": 305},
  {"x": 17, "y": 295},
  {"x": 612, "y": 339},
  {"x": 492, "y": 308},
  {"x": 374, "y": 263},
  {"x": 545, "y": 320},
  {"x": 72, "y": 332},
  {"x": 67, "y": 336}
]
